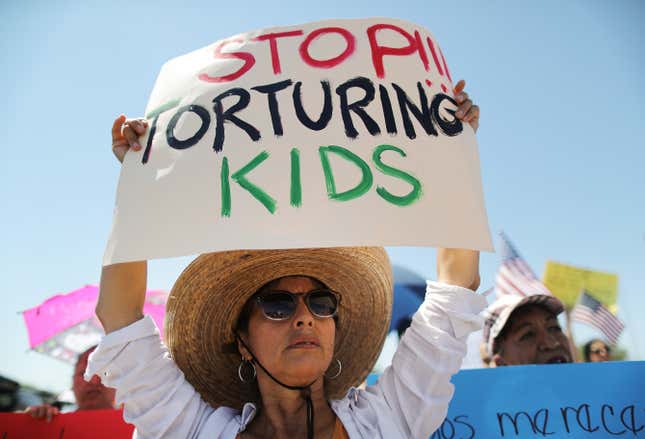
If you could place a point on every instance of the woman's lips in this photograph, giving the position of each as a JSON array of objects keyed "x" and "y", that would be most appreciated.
[
  {"x": 557, "y": 359},
  {"x": 308, "y": 343}
]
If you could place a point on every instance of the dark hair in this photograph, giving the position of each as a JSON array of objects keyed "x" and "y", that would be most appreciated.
[
  {"x": 497, "y": 342},
  {"x": 586, "y": 350},
  {"x": 243, "y": 319},
  {"x": 249, "y": 390}
]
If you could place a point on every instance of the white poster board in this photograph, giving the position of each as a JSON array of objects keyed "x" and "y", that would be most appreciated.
[{"x": 332, "y": 133}]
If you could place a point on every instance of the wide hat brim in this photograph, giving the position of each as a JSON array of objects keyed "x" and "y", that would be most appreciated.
[{"x": 206, "y": 301}]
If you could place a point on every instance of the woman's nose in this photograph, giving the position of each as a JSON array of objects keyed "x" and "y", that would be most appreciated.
[
  {"x": 549, "y": 341},
  {"x": 303, "y": 316}
]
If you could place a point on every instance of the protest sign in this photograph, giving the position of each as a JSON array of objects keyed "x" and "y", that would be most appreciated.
[
  {"x": 575, "y": 401},
  {"x": 566, "y": 282},
  {"x": 94, "y": 424},
  {"x": 339, "y": 132}
]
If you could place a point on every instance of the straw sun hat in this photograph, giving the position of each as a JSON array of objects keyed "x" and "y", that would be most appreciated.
[{"x": 205, "y": 302}]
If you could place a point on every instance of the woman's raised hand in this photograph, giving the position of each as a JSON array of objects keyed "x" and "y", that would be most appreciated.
[
  {"x": 467, "y": 111},
  {"x": 125, "y": 135}
]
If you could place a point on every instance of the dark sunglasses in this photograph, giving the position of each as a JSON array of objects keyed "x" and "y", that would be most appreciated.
[
  {"x": 281, "y": 305},
  {"x": 601, "y": 351}
]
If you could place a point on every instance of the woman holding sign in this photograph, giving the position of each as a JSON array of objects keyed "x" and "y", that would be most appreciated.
[{"x": 270, "y": 343}]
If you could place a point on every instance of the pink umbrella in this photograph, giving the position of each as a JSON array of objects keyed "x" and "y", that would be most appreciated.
[{"x": 65, "y": 325}]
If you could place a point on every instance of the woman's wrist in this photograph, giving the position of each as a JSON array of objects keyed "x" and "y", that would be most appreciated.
[
  {"x": 458, "y": 267},
  {"x": 122, "y": 295}
]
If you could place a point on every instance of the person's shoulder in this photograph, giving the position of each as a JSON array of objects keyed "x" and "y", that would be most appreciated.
[
  {"x": 220, "y": 422},
  {"x": 356, "y": 397},
  {"x": 365, "y": 412}
]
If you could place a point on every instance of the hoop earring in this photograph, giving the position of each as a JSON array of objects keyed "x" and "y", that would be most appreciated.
[
  {"x": 239, "y": 371},
  {"x": 337, "y": 374}
]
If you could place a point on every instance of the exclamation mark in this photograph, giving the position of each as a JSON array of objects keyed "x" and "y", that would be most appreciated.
[
  {"x": 422, "y": 51},
  {"x": 434, "y": 56},
  {"x": 445, "y": 65}
]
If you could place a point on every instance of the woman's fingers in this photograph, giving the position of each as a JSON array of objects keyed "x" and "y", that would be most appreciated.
[
  {"x": 459, "y": 87},
  {"x": 119, "y": 143},
  {"x": 461, "y": 97},
  {"x": 132, "y": 130},
  {"x": 463, "y": 108},
  {"x": 125, "y": 135},
  {"x": 131, "y": 136},
  {"x": 466, "y": 111},
  {"x": 51, "y": 412},
  {"x": 140, "y": 126},
  {"x": 42, "y": 411},
  {"x": 36, "y": 411},
  {"x": 472, "y": 114},
  {"x": 117, "y": 126}
]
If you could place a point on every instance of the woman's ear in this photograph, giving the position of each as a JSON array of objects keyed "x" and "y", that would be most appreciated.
[{"x": 244, "y": 352}]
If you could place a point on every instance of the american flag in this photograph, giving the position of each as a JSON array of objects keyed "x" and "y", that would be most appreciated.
[
  {"x": 589, "y": 310},
  {"x": 514, "y": 275}
]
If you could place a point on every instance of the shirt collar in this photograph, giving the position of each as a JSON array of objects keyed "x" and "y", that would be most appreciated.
[{"x": 248, "y": 414}]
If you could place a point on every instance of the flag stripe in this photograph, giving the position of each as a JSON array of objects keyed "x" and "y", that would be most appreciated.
[
  {"x": 503, "y": 290},
  {"x": 592, "y": 311},
  {"x": 505, "y": 283},
  {"x": 611, "y": 335},
  {"x": 609, "y": 321},
  {"x": 514, "y": 276},
  {"x": 518, "y": 281},
  {"x": 589, "y": 317}
]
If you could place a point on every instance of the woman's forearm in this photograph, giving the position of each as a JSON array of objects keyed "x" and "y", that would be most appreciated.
[
  {"x": 122, "y": 294},
  {"x": 458, "y": 267}
]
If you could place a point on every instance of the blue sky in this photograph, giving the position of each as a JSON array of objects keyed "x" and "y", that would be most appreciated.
[{"x": 561, "y": 137}]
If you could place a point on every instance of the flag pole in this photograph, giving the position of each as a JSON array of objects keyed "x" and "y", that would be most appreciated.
[{"x": 572, "y": 345}]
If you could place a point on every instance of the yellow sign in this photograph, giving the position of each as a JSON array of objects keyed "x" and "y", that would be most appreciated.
[{"x": 566, "y": 282}]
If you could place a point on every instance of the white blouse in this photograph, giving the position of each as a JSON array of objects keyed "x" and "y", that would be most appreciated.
[{"x": 410, "y": 399}]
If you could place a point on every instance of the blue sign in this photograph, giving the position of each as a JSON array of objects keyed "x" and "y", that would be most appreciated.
[{"x": 573, "y": 401}]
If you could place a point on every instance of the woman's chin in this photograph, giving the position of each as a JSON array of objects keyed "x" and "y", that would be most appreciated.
[{"x": 303, "y": 374}]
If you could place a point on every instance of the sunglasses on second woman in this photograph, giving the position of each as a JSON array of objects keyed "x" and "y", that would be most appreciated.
[
  {"x": 601, "y": 351},
  {"x": 281, "y": 305}
]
